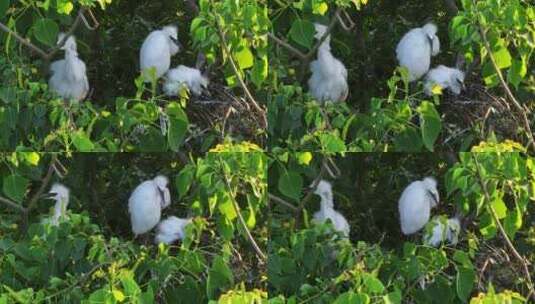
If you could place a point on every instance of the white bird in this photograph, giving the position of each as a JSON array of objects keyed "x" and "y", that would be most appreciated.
[
  {"x": 171, "y": 229},
  {"x": 441, "y": 229},
  {"x": 146, "y": 203},
  {"x": 60, "y": 194},
  {"x": 447, "y": 78},
  {"x": 327, "y": 212},
  {"x": 415, "y": 49},
  {"x": 156, "y": 51},
  {"x": 183, "y": 75},
  {"x": 329, "y": 75},
  {"x": 415, "y": 204},
  {"x": 69, "y": 79}
]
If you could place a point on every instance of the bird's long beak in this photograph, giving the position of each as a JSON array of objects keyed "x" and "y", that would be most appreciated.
[
  {"x": 48, "y": 196},
  {"x": 433, "y": 197},
  {"x": 175, "y": 41}
]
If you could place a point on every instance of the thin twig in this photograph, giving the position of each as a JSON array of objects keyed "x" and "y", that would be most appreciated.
[
  {"x": 517, "y": 255},
  {"x": 238, "y": 75},
  {"x": 12, "y": 204},
  {"x": 287, "y": 46},
  {"x": 44, "y": 183},
  {"x": 282, "y": 202},
  {"x": 23, "y": 41},
  {"x": 508, "y": 92},
  {"x": 242, "y": 221},
  {"x": 310, "y": 193}
]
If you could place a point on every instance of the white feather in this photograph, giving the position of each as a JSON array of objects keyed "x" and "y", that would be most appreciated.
[
  {"x": 156, "y": 51},
  {"x": 183, "y": 75},
  {"x": 329, "y": 75},
  {"x": 146, "y": 203},
  {"x": 69, "y": 79},
  {"x": 448, "y": 78},
  {"x": 415, "y": 204},
  {"x": 62, "y": 201},
  {"x": 415, "y": 49},
  {"x": 327, "y": 212},
  {"x": 171, "y": 230},
  {"x": 438, "y": 232}
]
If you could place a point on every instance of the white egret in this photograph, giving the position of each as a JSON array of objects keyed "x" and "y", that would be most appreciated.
[
  {"x": 327, "y": 212},
  {"x": 415, "y": 49},
  {"x": 415, "y": 204},
  {"x": 329, "y": 75},
  {"x": 171, "y": 230},
  {"x": 69, "y": 79},
  {"x": 447, "y": 78},
  {"x": 146, "y": 203},
  {"x": 60, "y": 194},
  {"x": 183, "y": 75},
  {"x": 441, "y": 229},
  {"x": 157, "y": 50}
]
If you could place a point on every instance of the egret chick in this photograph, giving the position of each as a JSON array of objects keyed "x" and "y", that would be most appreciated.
[
  {"x": 329, "y": 75},
  {"x": 60, "y": 194},
  {"x": 415, "y": 49},
  {"x": 156, "y": 51},
  {"x": 442, "y": 229},
  {"x": 415, "y": 204},
  {"x": 447, "y": 78},
  {"x": 183, "y": 75},
  {"x": 327, "y": 212},
  {"x": 146, "y": 203},
  {"x": 69, "y": 79},
  {"x": 171, "y": 230}
]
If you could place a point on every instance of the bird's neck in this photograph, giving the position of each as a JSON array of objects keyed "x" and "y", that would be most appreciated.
[{"x": 326, "y": 202}]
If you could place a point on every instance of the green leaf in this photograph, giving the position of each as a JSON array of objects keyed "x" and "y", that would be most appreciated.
[
  {"x": 331, "y": 143},
  {"x": 503, "y": 58},
  {"x": 499, "y": 207},
  {"x": 517, "y": 72},
  {"x": 15, "y": 187},
  {"x": 464, "y": 282},
  {"x": 302, "y": 32},
  {"x": 373, "y": 284},
  {"x": 184, "y": 180},
  {"x": 219, "y": 277},
  {"x": 304, "y": 158},
  {"x": 430, "y": 124},
  {"x": 225, "y": 206},
  {"x": 65, "y": 7},
  {"x": 290, "y": 184},
  {"x": 46, "y": 31},
  {"x": 4, "y": 5},
  {"x": 82, "y": 142},
  {"x": 244, "y": 57},
  {"x": 178, "y": 126},
  {"x": 260, "y": 71},
  {"x": 351, "y": 297}
]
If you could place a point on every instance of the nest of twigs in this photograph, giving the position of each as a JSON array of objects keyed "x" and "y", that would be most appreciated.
[
  {"x": 219, "y": 110},
  {"x": 480, "y": 108}
]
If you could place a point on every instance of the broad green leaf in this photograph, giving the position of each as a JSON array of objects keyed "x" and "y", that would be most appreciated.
[
  {"x": 430, "y": 124},
  {"x": 244, "y": 57},
  {"x": 302, "y": 32},
  {"x": 184, "y": 180},
  {"x": 225, "y": 206},
  {"x": 14, "y": 186},
  {"x": 82, "y": 142},
  {"x": 373, "y": 284},
  {"x": 219, "y": 277},
  {"x": 499, "y": 207},
  {"x": 464, "y": 282},
  {"x": 178, "y": 126},
  {"x": 503, "y": 58},
  {"x": 351, "y": 297},
  {"x": 304, "y": 158},
  {"x": 46, "y": 31},
  {"x": 65, "y": 7},
  {"x": 290, "y": 184},
  {"x": 517, "y": 72}
]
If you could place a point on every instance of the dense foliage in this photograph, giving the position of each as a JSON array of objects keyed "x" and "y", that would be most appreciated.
[{"x": 92, "y": 257}]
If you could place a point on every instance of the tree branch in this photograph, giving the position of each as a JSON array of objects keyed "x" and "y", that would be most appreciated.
[
  {"x": 44, "y": 183},
  {"x": 508, "y": 92},
  {"x": 238, "y": 75},
  {"x": 287, "y": 46},
  {"x": 282, "y": 202},
  {"x": 310, "y": 193},
  {"x": 512, "y": 248},
  {"x": 12, "y": 204},
  {"x": 242, "y": 221}
]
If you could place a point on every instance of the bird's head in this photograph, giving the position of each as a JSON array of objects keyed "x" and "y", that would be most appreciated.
[
  {"x": 430, "y": 184},
  {"x": 454, "y": 228},
  {"x": 324, "y": 190},
  {"x": 172, "y": 32},
  {"x": 161, "y": 182},
  {"x": 70, "y": 43},
  {"x": 430, "y": 30},
  {"x": 457, "y": 81},
  {"x": 59, "y": 193}
]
